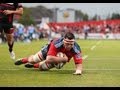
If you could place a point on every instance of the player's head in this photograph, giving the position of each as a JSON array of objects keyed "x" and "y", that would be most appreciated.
[
  {"x": 2, "y": 1},
  {"x": 16, "y": 5},
  {"x": 68, "y": 40}
]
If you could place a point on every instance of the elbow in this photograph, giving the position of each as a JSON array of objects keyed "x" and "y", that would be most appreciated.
[
  {"x": 49, "y": 58},
  {"x": 20, "y": 11}
]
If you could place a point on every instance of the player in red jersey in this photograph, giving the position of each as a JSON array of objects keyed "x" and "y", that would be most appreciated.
[
  {"x": 7, "y": 11},
  {"x": 46, "y": 58}
]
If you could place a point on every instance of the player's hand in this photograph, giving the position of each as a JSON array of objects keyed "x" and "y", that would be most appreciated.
[
  {"x": 66, "y": 58},
  {"x": 6, "y": 12},
  {"x": 78, "y": 72}
]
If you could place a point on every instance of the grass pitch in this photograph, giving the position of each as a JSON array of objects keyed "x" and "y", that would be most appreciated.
[{"x": 101, "y": 66}]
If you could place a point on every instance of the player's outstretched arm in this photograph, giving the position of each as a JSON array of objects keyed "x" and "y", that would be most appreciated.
[
  {"x": 78, "y": 69},
  {"x": 18, "y": 11}
]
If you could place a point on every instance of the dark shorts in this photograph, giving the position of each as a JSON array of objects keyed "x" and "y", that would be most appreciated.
[
  {"x": 7, "y": 28},
  {"x": 45, "y": 50}
]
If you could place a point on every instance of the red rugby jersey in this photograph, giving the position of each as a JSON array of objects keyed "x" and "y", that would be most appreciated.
[
  {"x": 57, "y": 46},
  {"x": 7, "y": 6}
]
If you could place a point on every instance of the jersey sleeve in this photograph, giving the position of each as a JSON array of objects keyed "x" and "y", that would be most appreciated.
[
  {"x": 78, "y": 58},
  {"x": 52, "y": 50},
  {"x": 78, "y": 54}
]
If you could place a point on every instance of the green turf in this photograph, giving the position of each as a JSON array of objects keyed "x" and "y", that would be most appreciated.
[{"x": 100, "y": 69}]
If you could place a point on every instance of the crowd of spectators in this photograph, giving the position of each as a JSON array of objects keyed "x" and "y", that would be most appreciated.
[
  {"x": 104, "y": 27},
  {"x": 29, "y": 33}
]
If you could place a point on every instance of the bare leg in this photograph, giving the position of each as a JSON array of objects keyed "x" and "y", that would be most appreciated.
[{"x": 10, "y": 40}]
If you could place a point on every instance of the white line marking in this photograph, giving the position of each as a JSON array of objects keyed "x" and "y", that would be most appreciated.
[
  {"x": 98, "y": 42},
  {"x": 85, "y": 56},
  {"x": 91, "y": 69},
  {"x": 9, "y": 69},
  {"x": 103, "y": 69},
  {"x": 104, "y": 58},
  {"x": 93, "y": 47}
]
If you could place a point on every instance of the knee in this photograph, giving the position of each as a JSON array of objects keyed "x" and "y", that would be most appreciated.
[
  {"x": 31, "y": 60},
  {"x": 44, "y": 66}
]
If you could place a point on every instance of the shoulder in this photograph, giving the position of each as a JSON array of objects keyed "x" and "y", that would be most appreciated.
[
  {"x": 76, "y": 48},
  {"x": 58, "y": 42},
  {"x": 7, "y": 6},
  {"x": 20, "y": 5}
]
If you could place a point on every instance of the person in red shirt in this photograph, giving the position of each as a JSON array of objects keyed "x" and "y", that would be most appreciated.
[
  {"x": 7, "y": 11},
  {"x": 47, "y": 57}
]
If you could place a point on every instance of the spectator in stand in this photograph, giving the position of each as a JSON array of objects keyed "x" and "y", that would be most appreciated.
[{"x": 86, "y": 29}]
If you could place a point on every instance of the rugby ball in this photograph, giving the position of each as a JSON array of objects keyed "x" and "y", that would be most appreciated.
[
  {"x": 60, "y": 65},
  {"x": 60, "y": 54}
]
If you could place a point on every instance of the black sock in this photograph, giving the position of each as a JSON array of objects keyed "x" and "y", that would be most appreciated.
[{"x": 10, "y": 47}]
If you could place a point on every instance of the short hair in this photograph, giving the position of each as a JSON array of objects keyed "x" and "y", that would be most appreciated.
[
  {"x": 69, "y": 35},
  {"x": 15, "y": 5}
]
